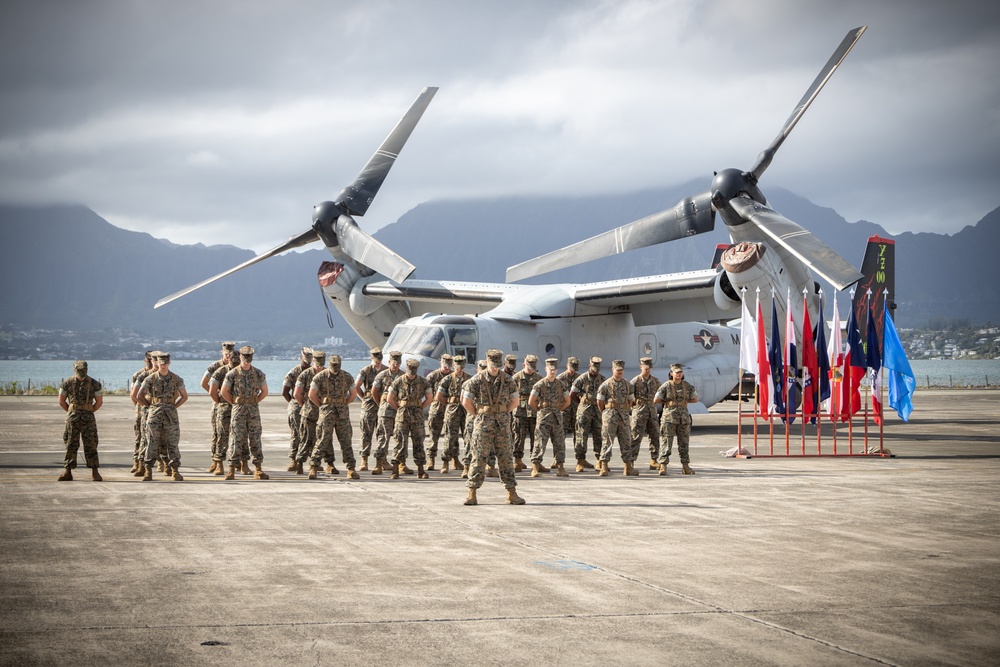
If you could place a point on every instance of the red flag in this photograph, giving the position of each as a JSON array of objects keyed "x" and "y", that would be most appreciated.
[
  {"x": 810, "y": 366},
  {"x": 763, "y": 378}
]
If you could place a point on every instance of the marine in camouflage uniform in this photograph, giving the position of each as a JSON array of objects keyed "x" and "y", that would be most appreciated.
[
  {"x": 227, "y": 352},
  {"x": 386, "y": 424},
  {"x": 144, "y": 419},
  {"x": 333, "y": 391},
  {"x": 369, "y": 408},
  {"x": 614, "y": 400},
  {"x": 645, "y": 421},
  {"x": 524, "y": 416},
  {"x": 294, "y": 409},
  {"x": 449, "y": 393},
  {"x": 435, "y": 416},
  {"x": 80, "y": 396},
  {"x": 308, "y": 413},
  {"x": 409, "y": 394},
  {"x": 140, "y": 411},
  {"x": 470, "y": 433},
  {"x": 164, "y": 392},
  {"x": 568, "y": 377},
  {"x": 675, "y": 394},
  {"x": 588, "y": 417},
  {"x": 245, "y": 387},
  {"x": 223, "y": 419},
  {"x": 491, "y": 396},
  {"x": 549, "y": 396}
]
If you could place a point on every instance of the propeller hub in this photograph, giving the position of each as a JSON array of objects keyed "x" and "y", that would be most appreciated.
[
  {"x": 325, "y": 216},
  {"x": 730, "y": 183}
]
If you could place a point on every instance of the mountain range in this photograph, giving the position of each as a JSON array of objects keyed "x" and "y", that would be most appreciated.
[{"x": 65, "y": 267}]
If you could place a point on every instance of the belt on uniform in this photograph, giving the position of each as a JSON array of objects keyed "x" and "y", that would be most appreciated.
[
  {"x": 245, "y": 401},
  {"x": 455, "y": 399},
  {"x": 547, "y": 404},
  {"x": 81, "y": 406},
  {"x": 410, "y": 404},
  {"x": 616, "y": 404},
  {"x": 585, "y": 401},
  {"x": 161, "y": 401},
  {"x": 491, "y": 409},
  {"x": 329, "y": 400},
  {"x": 643, "y": 401}
]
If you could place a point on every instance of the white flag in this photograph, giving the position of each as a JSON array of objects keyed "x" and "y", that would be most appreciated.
[{"x": 748, "y": 341}]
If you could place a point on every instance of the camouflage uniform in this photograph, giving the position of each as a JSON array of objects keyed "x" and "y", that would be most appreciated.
[
  {"x": 524, "y": 416},
  {"x": 551, "y": 396},
  {"x": 617, "y": 398},
  {"x": 140, "y": 413},
  {"x": 454, "y": 416},
  {"x": 568, "y": 377},
  {"x": 409, "y": 394},
  {"x": 223, "y": 418},
  {"x": 164, "y": 426},
  {"x": 676, "y": 419},
  {"x": 333, "y": 390},
  {"x": 588, "y": 417},
  {"x": 369, "y": 408},
  {"x": 491, "y": 396},
  {"x": 645, "y": 421},
  {"x": 309, "y": 413},
  {"x": 435, "y": 415},
  {"x": 245, "y": 386},
  {"x": 294, "y": 410},
  {"x": 81, "y": 425},
  {"x": 217, "y": 442},
  {"x": 386, "y": 413}
]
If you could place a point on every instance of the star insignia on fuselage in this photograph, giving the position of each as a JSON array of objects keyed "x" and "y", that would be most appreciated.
[{"x": 706, "y": 339}]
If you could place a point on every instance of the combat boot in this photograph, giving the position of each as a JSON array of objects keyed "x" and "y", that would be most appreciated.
[
  {"x": 554, "y": 464},
  {"x": 96, "y": 476},
  {"x": 471, "y": 499},
  {"x": 147, "y": 474},
  {"x": 455, "y": 463},
  {"x": 653, "y": 465},
  {"x": 541, "y": 466},
  {"x": 313, "y": 472},
  {"x": 465, "y": 472},
  {"x": 214, "y": 466},
  {"x": 686, "y": 469},
  {"x": 293, "y": 466},
  {"x": 420, "y": 472},
  {"x": 67, "y": 476},
  {"x": 403, "y": 469},
  {"x": 536, "y": 469},
  {"x": 177, "y": 476},
  {"x": 585, "y": 464},
  {"x": 663, "y": 470},
  {"x": 258, "y": 473},
  {"x": 299, "y": 469},
  {"x": 602, "y": 468},
  {"x": 168, "y": 471},
  {"x": 141, "y": 470},
  {"x": 221, "y": 468},
  {"x": 332, "y": 470},
  {"x": 364, "y": 463},
  {"x": 630, "y": 470},
  {"x": 579, "y": 465},
  {"x": 351, "y": 474},
  {"x": 519, "y": 465},
  {"x": 561, "y": 471},
  {"x": 135, "y": 467},
  {"x": 430, "y": 464},
  {"x": 395, "y": 470},
  {"x": 513, "y": 498},
  {"x": 162, "y": 466},
  {"x": 491, "y": 471},
  {"x": 380, "y": 464},
  {"x": 444, "y": 466},
  {"x": 244, "y": 468},
  {"x": 232, "y": 471}
]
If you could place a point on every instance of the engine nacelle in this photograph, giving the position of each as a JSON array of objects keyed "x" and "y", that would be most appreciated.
[
  {"x": 755, "y": 266},
  {"x": 726, "y": 297},
  {"x": 373, "y": 320}
]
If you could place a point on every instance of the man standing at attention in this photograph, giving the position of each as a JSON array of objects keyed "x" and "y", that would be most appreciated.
[
  {"x": 524, "y": 416},
  {"x": 163, "y": 392},
  {"x": 227, "y": 352},
  {"x": 369, "y": 407},
  {"x": 568, "y": 377},
  {"x": 588, "y": 417},
  {"x": 614, "y": 400},
  {"x": 549, "y": 397},
  {"x": 644, "y": 419},
  {"x": 294, "y": 409},
  {"x": 333, "y": 391},
  {"x": 676, "y": 394},
  {"x": 80, "y": 397},
  {"x": 409, "y": 395},
  {"x": 245, "y": 387},
  {"x": 435, "y": 416}
]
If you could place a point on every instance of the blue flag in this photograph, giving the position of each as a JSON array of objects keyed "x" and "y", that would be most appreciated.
[
  {"x": 873, "y": 356},
  {"x": 774, "y": 357},
  {"x": 854, "y": 347},
  {"x": 823, "y": 357},
  {"x": 902, "y": 382}
]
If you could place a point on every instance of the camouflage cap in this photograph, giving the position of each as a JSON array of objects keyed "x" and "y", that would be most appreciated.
[
  {"x": 163, "y": 357},
  {"x": 618, "y": 364},
  {"x": 334, "y": 361},
  {"x": 573, "y": 362},
  {"x": 80, "y": 365},
  {"x": 596, "y": 361},
  {"x": 396, "y": 355},
  {"x": 376, "y": 352},
  {"x": 552, "y": 362},
  {"x": 481, "y": 364},
  {"x": 646, "y": 361},
  {"x": 149, "y": 355},
  {"x": 510, "y": 358},
  {"x": 495, "y": 357},
  {"x": 319, "y": 357},
  {"x": 412, "y": 364},
  {"x": 531, "y": 360},
  {"x": 155, "y": 355},
  {"x": 228, "y": 346},
  {"x": 676, "y": 368},
  {"x": 459, "y": 360},
  {"x": 446, "y": 357},
  {"x": 307, "y": 353},
  {"x": 246, "y": 351}
]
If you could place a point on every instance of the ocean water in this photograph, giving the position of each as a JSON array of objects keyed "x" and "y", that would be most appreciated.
[{"x": 115, "y": 374}]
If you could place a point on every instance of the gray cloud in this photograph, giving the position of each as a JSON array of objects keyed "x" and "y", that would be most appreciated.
[{"x": 224, "y": 122}]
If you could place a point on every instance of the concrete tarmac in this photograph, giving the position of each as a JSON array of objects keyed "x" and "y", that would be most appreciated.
[{"x": 769, "y": 561}]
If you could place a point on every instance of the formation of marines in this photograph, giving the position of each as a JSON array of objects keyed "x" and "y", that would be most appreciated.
[{"x": 501, "y": 416}]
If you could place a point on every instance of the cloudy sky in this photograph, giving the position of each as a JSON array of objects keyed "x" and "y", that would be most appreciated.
[{"x": 225, "y": 121}]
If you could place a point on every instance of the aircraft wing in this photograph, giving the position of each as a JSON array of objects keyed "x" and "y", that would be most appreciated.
[
  {"x": 442, "y": 296},
  {"x": 663, "y": 299}
]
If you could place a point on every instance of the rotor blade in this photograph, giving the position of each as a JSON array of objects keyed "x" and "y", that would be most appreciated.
[
  {"x": 357, "y": 197},
  {"x": 363, "y": 248},
  {"x": 764, "y": 159},
  {"x": 294, "y": 242},
  {"x": 815, "y": 254},
  {"x": 692, "y": 215}
]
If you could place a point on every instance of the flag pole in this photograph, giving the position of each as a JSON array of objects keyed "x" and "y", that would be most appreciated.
[
  {"x": 820, "y": 322},
  {"x": 784, "y": 369},
  {"x": 850, "y": 389},
  {"x": 739, "y": 383},
  {"x": 868, "y": 313},
  {"x": 881, "y": 395},
  {"x": 803, "y": 391}
]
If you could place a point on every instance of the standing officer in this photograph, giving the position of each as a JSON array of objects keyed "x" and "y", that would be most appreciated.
[
  {"x": 223, "y": 417},
  {"x": 294, "y": 409},
  {"x": 549, "y": 397},
  {"x": 309, "y": 413},
  {"x": 676, "y": 394},
  {"x": 227, "y": 352},
  {"x": 164, "y": 392},
  {"x": 568, "y": 377},
  {"x": 80, "y": 397},
  {"x": 412, "y": 394},
  {"x": 614, "y": 400},
  {"x": 245, "y": 387},
  {"x": 333, "y": 391},
  {"x": 524, "y": 416},
  {"x": 386, "y": 413},
  {"x": 369, "y": 407},
  {"x": 491, "y": 397},
  {"x": 470, "y": 427},
  {"x": 435, "y": 416},
  {"x": 588, "y": 417},
  {"x": 449, "y": 393},
  {"x": 644, "y": 418},
  {"x": 140, "y": 411},
  {"x": 140, "y": 377}
]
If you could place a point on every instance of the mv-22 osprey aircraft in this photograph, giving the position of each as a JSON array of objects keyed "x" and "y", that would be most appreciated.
[{"x": 666, "y": 317}]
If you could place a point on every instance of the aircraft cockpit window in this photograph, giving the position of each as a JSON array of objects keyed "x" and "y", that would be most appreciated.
[
  {"x": 429, "y": 342},
  {"x": 464, "y": 341}
]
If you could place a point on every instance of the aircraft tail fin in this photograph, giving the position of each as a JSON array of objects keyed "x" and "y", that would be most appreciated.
[
  {"x": 719, "y": 249},
  {"x": 879, "y": 269}
]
